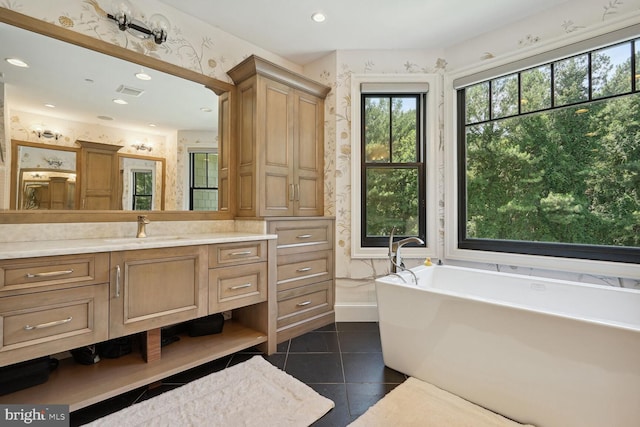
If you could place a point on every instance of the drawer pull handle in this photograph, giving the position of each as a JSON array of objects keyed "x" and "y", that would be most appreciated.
[
  {"x": 48, "y": 325},
  {"x": 50, "y": 274},
  {"x": 246, "y": 285},
  {"x": 118, "y": 281},
  {"x": 302, "y": 304},
  {"x": 305, "y": 236},
  {"x": 302, "y": 270},
  {"x": 243, "y": 253}
]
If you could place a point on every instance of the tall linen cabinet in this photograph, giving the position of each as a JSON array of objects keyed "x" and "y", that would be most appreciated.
[{"x": 280, "y": 159}]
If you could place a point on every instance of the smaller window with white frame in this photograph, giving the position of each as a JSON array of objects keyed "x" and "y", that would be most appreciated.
[{"x": 393, "y": 141}]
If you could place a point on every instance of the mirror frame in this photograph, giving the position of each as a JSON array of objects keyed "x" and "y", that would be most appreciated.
[{"x": 226, "y": 92}]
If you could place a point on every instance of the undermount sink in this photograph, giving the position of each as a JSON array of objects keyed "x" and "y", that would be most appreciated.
[{"x": 142, "y": 239}]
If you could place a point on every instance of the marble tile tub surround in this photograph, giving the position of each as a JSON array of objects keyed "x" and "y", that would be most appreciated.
[{"x": 101, "y": 230}]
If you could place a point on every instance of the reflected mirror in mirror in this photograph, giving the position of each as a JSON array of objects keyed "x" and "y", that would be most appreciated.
[
  {"x": 67, "y": 94},
  {"x": 44, "y": 177},
  {"x": 142, "y": 181}
]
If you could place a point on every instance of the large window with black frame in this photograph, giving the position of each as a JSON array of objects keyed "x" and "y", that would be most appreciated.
[
  {"x": 549, "y": 158},
  {"x": 392, "y": 166}
]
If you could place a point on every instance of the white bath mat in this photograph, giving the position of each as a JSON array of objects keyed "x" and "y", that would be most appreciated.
[
  {"x": 420, "y": 404},
  {"x": 253, "y": 393}
]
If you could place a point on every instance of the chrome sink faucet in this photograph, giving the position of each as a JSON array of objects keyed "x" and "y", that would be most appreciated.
[
  {"x": 142, "y": 224},
  {"x": 394, "y": 250}
]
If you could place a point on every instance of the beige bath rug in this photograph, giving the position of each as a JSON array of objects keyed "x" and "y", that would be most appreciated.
[
  {"x": 253, "y": 393},
  {"x": 420, "y": 404}
]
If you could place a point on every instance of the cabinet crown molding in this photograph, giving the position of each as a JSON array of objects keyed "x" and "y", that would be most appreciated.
[{"x": 255, "y": 65}]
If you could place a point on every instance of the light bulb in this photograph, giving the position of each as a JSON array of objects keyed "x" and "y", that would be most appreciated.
[{"x": 159, "y": 27}]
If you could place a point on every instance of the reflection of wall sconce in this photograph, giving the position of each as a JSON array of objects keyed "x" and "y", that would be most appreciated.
[
  {"x": 54, "y": 162},
  {"x": 123, "y": 16},
  {"x": 47, "y": 134},
  {"x": 142, "y": 147}
]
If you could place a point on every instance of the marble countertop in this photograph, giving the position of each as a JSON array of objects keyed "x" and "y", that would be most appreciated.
[{"x": 14, "y": 250}]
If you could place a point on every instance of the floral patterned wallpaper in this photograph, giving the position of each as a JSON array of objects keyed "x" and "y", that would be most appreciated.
[
  {"x": 210, "y": 51},
  {"x": 355, "y": 286}
]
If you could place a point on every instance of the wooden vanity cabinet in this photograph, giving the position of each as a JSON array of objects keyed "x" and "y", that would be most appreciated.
[
  {"x": 280, "y": 152},
  {"x": 238, "y": 276},
  {"x": 305, "y": 275},
  {"x": 52, "y": 304},
  {"x": 78, "y": 300},
  {"x": 151, "y": 288}
]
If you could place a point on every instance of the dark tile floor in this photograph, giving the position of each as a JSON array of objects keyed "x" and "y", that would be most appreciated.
[{"x": 342, "y": 361}]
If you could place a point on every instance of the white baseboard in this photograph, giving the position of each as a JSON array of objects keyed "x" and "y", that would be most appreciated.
[{"x": 356, "y": 313}]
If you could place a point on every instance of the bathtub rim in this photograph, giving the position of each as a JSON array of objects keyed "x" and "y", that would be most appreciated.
[{"x": 409, "y": 285}]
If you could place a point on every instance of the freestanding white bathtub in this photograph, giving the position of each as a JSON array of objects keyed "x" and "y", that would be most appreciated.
[{"x": 547, "y": 352}]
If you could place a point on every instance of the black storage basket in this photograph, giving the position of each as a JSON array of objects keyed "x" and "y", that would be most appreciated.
[{"x": 26, "y": 374}]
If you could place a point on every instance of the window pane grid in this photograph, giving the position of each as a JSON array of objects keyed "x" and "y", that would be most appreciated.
[
  {"x": 571, "y": 79},
  {"x": 392, "y": 170}
]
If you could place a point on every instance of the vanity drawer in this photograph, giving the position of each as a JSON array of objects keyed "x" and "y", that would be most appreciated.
[
  {"x": 304, "y": 269},
  {"x": 43, "y": 323},
  {"x": 304, "y": 303},
  {"x": 19, "y": 276},
  {"x": 307, "y": 235},
  {"x": 227, "y": 254},
  {"x": 233, "y": 287}
]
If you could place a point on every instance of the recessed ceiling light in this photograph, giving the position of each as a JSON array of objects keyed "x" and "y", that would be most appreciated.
[
  {"x": 17, "y": 62},
  {"x": 318, "y": 17},
  {"x": 88, "y": 80},
  {"x": 206, "y": 109},
  {"x": 143, "y": 76},
  {"x": 120, "y": 101},
  {"x": 152, "y": 125},
  {"x": 49, "y": 105}
]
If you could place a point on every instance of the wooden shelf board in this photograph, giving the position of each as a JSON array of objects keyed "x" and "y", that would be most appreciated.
[{"x": 79, "y": 386}]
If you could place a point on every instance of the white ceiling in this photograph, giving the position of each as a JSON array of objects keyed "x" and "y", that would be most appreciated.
[{"x": 285, "y": 26}]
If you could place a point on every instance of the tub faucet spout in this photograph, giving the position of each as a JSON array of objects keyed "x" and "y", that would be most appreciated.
[{"x": 394, "y": 250}]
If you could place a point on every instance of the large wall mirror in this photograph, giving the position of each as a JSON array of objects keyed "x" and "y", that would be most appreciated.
[{"x": 64, "y": 101}]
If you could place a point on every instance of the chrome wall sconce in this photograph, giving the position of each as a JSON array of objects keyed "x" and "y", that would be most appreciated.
[
  {"x": 47, "y": 134},
  {"x": 142, "y": 147},
  {"x": 123, "y": 17}
]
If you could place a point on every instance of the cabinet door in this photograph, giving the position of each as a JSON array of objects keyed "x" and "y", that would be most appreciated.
[
  {"x": 157, "y": 287},
  {"x": 98, "y": 176},
  {"x": 275, "y": 128},
  {"x": 309, "y": 155}
]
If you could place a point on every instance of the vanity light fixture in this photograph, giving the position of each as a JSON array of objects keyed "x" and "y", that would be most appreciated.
[
  {"x": 318, "y": 17},
  {"x": 123, "y": 17},
  {"x": 17, "y": 62},
  {"x": 141, "y": 146}
]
